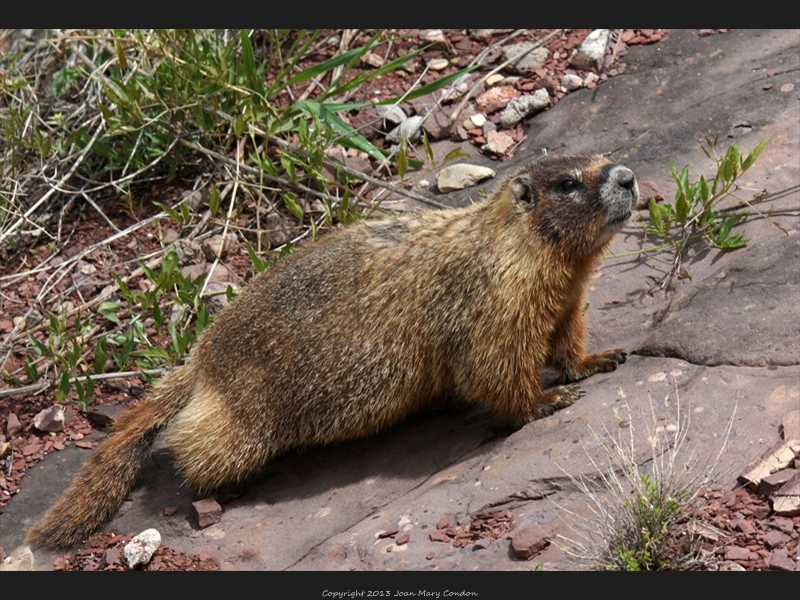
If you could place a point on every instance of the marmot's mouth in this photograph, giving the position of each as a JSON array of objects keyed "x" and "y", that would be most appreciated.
[{"x": 618, "y": 219}]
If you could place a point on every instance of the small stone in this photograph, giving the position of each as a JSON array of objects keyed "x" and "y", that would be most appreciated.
[
  {"x": 443, "y": 523},
  {"x": 409, "y": 129},
  {"x": 197, "y": 198},
  {"x": 439, "y": 536},
  {"x": 780, "y": 456},
  {"x": 141, "y": 548},
  {"x": 430, "y": 555},
  {"x": 438, "y": 64},
  {"x": 373, "y": 60},
  {"x": 781, "y": 561},
  {"x": 493, "y": 80},
  {"x": 744, "y": 526},
  {"x": 402, "y": 539},
  {"x": 391, "y": 114},
  {"x": 495, "y": 98},
  {"x": 53, "y": 419},
  {"x": 170, "y": 511},
  {"x": 760, "y": 512},
  {"x": 435, "y": 37},
  {"x": 776, "y": 539},
  {"x": 461, "y": 176},
  {"x": 591, "y": 50},
  {"x": 498, "y": 142},
  {"x": 478, "y": 120},
  {"x": 13, "y": 426},
  {"x": 731, "y": 566},
  {"x": 532, "y": 60},
  {"x": 206, "y": 512},
  {"x": 786, "y": 500},
  {"x": 521, "y": 107},
  {"x": 388, "y": 533},
  {"x": 189, "y": 252},
  {"x": 110, "y": 557},
  {"x": 571, "y": 82},
  {"x": 84, "y": 444},
  {"x": 216, "y": 245},
  {"x": 531, "y": 540},
  {"x": 772, "y": 482},
  {"x": 737, "y": 553},
  {"x": 647, "y": 190}
]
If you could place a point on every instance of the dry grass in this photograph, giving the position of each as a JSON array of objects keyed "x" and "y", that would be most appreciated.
[{"x": 642, "y": 517}]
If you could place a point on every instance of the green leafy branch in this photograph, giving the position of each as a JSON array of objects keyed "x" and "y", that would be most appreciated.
[{"x": 695, "y": 211}]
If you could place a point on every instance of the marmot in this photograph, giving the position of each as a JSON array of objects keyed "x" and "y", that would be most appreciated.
[{"x": 345, "y": 337}]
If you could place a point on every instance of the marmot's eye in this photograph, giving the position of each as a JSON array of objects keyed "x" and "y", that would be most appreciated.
[{"x": 568, "y": 185}]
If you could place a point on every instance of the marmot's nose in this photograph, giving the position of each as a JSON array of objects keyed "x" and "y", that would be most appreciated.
[{"x": 625, "y": 178}]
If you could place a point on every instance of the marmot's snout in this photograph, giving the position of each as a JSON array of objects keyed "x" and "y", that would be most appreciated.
[{"x": 621, "y": 194}]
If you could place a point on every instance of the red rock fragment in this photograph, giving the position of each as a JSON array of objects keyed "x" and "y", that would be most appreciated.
[
  {"x": 772, "y": 482},
  {"x": 738, "y": 554},
  {"x": 388, "y": 533},
  {"x": 206, "y": 512},
  {"x": 13, "y": 426},
  {"x": 781, "y": 561},
  {"x": 531, "y": 540}
]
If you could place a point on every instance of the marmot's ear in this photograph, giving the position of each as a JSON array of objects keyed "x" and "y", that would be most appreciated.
[{"x": 523, "y": 189}]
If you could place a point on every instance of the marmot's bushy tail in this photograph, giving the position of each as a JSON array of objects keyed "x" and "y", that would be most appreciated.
[{"x": 107, "y": 478}]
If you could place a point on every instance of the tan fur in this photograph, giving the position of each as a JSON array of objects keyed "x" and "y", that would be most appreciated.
[{"x": 346, "y": 337}]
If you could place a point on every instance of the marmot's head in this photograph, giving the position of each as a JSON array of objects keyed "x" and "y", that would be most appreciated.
[{"x": 578, "y": 202}]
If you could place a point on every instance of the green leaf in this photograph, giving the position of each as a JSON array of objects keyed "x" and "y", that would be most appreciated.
[
  {"x": 702, "y": 190},
  {"x": 427, "y": 145},
  {"x": 259, "y": 264},
  {"x": 109, "y": 310},
  {"x": 214, "y": 201},
  {"x": 123, "y": 288},
  {"x": 402, "y": 159},
  {"x": 122, "y": 61},
  {"x": 38, "y": 346},
  {"x": 248, "y": 59},
  {"x": 748, "y": 162},
  {"x": 290, "y": 200},
  {"x": 30, "y": 370},
  {"x": 329, "y": 65},
  {"x": 101, "y": 355},
  {"x": 349, "y": 137},
  {"x": 681, "y": 207},
  {"x": 455, "y": 153},
  {"x": 238, "y": 125},
  {"x": 173, "y": 214}
]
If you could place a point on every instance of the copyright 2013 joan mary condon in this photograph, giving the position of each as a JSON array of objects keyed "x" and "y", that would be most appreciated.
[{"x": 399, "y": 594}]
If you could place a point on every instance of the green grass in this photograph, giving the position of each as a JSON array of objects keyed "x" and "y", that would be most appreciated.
[{"x": 93, "y": 119}]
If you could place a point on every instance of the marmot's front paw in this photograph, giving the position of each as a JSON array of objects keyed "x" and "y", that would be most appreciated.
[{"x": 604, "y": 362}]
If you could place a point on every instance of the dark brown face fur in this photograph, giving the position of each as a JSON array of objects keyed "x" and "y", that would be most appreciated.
[{"x": 576, "y": 202}]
